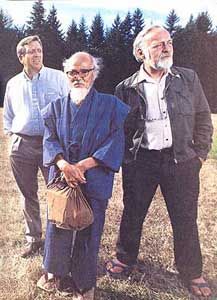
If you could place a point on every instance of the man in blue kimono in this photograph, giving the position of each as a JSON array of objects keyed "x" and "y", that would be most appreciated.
[{"x": 84, "y": 139}]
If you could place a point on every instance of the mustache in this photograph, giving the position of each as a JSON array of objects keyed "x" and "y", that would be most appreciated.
[
  {"x": 77, "y": 82},
  {"x": 165, "y": 56}
]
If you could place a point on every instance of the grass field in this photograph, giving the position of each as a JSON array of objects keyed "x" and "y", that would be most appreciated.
[
  {"x": 151, "y": 281},
  {"x": 213, "y": 152}
]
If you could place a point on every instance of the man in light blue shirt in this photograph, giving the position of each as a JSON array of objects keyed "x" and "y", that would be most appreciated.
[{"x": 26, "y": 94}]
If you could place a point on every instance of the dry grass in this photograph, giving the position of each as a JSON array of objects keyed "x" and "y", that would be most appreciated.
[{"x": 152, "y": 282}]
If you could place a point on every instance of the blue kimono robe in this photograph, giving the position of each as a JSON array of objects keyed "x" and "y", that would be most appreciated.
[{"x": 95, "y": 129}]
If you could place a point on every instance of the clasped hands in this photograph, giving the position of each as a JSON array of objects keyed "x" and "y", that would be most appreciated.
[{"x": 74, "y": 173}]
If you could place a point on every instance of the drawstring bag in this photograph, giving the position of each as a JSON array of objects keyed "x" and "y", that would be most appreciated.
[{"x": 67, "y": 206}]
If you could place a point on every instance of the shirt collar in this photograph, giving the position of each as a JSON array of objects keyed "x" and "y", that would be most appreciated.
[
  {"x": 143, "y": 76},
  {"x": 39, "y": 75}
]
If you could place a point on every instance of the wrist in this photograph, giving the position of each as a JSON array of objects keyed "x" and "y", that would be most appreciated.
[
  {"x": 82, "y": 166},
  {"x": 202, "y": 160},
  {"x": 61, "y": 163}
]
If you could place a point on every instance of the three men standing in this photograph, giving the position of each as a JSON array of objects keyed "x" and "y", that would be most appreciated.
[
  {"x": 168, "y": 136},
  {"x": 26, "y": 94}
]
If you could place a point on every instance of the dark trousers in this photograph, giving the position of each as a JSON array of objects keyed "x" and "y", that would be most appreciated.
[{"x": 179, "y": 184}]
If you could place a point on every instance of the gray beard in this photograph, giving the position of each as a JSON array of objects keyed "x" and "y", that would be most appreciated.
[
  {"x": 77, "y": 95},
  {"x": 164, "y": 64}
]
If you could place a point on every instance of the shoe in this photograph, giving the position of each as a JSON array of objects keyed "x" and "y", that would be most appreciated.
[
  {"x": 32, "y": 248},
  {"x": 48, "y": 285}
]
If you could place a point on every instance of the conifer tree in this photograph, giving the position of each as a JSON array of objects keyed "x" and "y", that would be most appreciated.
[
  {"x": 115, "y": 55},
  {"x": 9, "y": 64},
  {"x": 194, "y": 48},
  {"x": 82, "y": 35},
  {"x": 137, "y": 22},
  {"x": 5, "y": 20},
  {"x": 72, "y": 44},
  {"x": 126, "y": 30},
  {"x": 37, "y": 20},
  {"x": 172, "y": 21},
  {"x": 203, "y": 22},
  {"x": 54, "y": 41},
  {"x": 96, "y": 38}
]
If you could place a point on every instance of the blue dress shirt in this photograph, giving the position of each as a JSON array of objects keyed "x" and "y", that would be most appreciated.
[{"x": 25, "y": 98}]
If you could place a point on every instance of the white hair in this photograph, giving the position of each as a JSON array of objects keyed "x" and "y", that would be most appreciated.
[
  {"x": 97, "y": 63},
  {"x": 139, "y": 40}
]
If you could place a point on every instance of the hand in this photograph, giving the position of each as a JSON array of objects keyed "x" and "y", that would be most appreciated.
[
  {"x": 72, "y": 174},
  {"x": 86, "y": 164},
  {"x": 201, "y": 160}
]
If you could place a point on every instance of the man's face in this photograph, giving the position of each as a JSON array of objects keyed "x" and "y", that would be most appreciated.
[
  {"x": 33, "y": 59},
  {"x": 81, "y": 72},
  {"x": 158, "y": 49},
  {"x": 81, "y": 77}
]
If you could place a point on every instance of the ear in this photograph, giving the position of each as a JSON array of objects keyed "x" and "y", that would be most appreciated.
[
  {"x": 140, "y": 53},
  {"x": 20, "y": 59}
]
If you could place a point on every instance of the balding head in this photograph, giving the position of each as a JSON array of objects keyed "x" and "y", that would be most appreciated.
[
  {"x": 83, "y": 60},
  {"x": 82, "y": 70}
]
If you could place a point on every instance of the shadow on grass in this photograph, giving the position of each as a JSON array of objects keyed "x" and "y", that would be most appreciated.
[
  {"x": 149, "y": 277},
  {"x": 153, "y": 281},
  {"x": 107, "y": 294}
]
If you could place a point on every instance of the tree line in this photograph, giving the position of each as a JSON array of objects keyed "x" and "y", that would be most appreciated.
[{"x": 195, "y": 45}]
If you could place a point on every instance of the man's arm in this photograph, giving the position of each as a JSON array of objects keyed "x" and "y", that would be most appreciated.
[
  {"x": 203, "y": 128},
  {"x": 8, "y": 113},
  {"x": 74, "y": 173}
]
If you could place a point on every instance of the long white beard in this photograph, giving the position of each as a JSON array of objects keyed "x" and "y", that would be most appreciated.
[{"x": 77, "y": 95}]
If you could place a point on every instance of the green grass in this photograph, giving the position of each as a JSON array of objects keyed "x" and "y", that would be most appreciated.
[{"x": 213, "y": 152}]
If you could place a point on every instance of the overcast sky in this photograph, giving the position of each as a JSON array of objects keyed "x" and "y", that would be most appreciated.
[{"x": 154, "y": 11}]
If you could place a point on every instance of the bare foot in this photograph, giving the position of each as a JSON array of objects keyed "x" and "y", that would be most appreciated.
[
  {"x": 115, "y": 266},
  {"x": 199, "y": 287}
]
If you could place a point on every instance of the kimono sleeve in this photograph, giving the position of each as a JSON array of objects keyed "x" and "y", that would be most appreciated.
[
  {"x": 110, "y": 152},
  {"x": 51, "y": 143}
]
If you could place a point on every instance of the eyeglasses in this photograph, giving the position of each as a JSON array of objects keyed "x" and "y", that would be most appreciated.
[
  {"x": 34, "y": 51},
  {"x": 162, "y": 45},
  {"x": 82, "y": 73}
]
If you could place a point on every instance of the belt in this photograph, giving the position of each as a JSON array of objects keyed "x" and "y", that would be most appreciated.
[
  {"x": 165, "y": 150},
  {"x": 30, "y": 137}
]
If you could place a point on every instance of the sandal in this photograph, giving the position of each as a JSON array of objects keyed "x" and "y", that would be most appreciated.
[
  {"x": 48, "y": 285},
  {"x": 125, "y": 270},
  {"x": 200, "y": 286}
]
